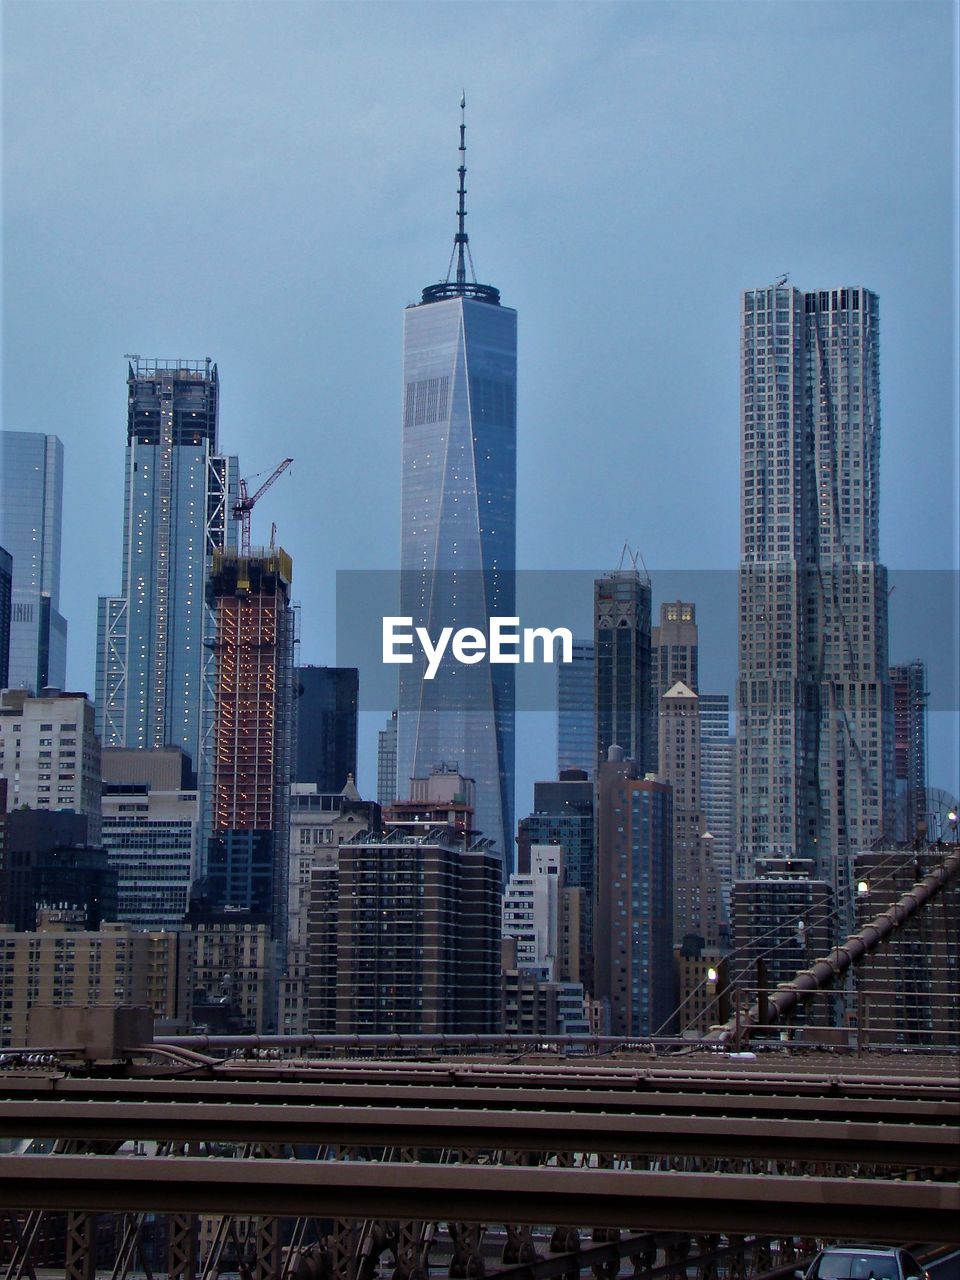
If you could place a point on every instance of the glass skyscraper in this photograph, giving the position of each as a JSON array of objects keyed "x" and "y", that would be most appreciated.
[
  {"x": 814, "y": 704},
  {"x": 153, "y": 667},
  {"x": 458, "y": 533},
  {"x": 576, "y": 715},
  {"x": 31, "y": 508}
]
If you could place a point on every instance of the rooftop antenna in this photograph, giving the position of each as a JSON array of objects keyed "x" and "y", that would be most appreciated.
[
  {"x": 459, "y": 285},
  {"x": 461, "y": 241}
]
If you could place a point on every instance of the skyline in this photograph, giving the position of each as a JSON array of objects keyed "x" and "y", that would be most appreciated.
[{"x": 287, "y": 255}]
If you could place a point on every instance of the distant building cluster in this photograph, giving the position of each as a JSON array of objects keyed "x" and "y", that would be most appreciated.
[{"x": 195, "y": 840}]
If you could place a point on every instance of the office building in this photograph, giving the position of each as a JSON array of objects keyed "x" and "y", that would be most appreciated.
[
  {"x": 327, "y": 705},
  {"x": 49, "y": 862},
  {"x": 31, "y": 514},
  {"x": 814, "y": 706},
  {"x": 246, "y": 866},
  {"x": 908, "y": 990},
  {"x": 64, "y": 964},
  {"x": 6, "y": 614},
  {"x": 458, "y": 531},
  {"x": 49, "y": 753},
  {"x": 563, "y": 815},
  {"x": 625, "y": 707},
  {"x": 634, "y": 911},
  {"x": 697, "y": 903},
  {"x": 534, "y": 1006},
  {"x": 319, "y": 824},
  {"x": 909, "y": 683},
  {"x": 675, "y": 647},
  {"x": 404, "y": 926},
  {"x": 576, "y": 715},
  {"x": 542, "y": 913},
  {"x": 387, "y": 761},
  {"x": 150, "y": 824},
  {"x": 154, "y": 663},
  {"x": 718, "y": 785},
  {"x": 782, "y": 919}
]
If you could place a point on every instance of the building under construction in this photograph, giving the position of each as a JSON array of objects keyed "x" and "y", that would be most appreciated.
[{"x": 252, "y": 734}]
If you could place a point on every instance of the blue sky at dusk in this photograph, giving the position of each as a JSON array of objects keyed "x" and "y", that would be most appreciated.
[{"x": 270, "y": 184}]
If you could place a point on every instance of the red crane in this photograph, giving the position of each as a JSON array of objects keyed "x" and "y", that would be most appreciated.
[{"x": 245, "y": 503}]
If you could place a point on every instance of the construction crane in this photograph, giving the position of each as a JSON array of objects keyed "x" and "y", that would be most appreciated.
[{"x": 245, "y": 503}]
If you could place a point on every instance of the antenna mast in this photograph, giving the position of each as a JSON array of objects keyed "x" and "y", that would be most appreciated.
[{"x": 461, "y": 238}]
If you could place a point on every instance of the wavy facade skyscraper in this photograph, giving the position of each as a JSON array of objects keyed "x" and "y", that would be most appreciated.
[
  {"x": 814, "y": 703},
  {"x": 458, "y": 530}
]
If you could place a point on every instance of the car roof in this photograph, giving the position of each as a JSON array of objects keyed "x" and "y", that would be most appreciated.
[{"x": 862, "y": 1248}]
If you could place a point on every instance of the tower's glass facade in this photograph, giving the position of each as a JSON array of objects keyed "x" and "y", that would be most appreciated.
[
  {"x": 31, "y": 506},
  {"x": 458, "y": 540},
  {"x": 152, "y": 663}
]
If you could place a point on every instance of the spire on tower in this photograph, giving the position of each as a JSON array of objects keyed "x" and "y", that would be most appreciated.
[{"x": 460, "y": 286}]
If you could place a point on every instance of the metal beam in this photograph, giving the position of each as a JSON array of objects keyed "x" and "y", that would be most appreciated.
[
  {"x": 900, "y": 1145},
  {"x": 727, "y": 1203}
]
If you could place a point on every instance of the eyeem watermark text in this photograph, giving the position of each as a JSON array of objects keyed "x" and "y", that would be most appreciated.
[{"x": 505, "y": 642}]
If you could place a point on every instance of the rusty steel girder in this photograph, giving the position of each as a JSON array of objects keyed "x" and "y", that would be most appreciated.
[{"x": 638, "y": 1200}]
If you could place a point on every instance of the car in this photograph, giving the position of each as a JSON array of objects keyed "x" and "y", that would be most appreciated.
[{"x": 864, "y": 1262}]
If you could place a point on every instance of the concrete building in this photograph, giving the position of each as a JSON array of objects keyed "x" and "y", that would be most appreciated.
[
  {"x": 327, "y": 709},
  {"x": 404, "y": 933},
  {"x": 576, "y": 714},
  {"x": 153, "y": 661},
  {"x": 64, "y": 965},
  {"x": 534, "y": 1006},
  {"x": 625, "y": 707},
  {"x": 634, "y": 915},
  {"x": 319, "y": 824},
  {"x": 563, "y": 815},
  {"x": 31, "y": 516},
  {"x": 50, "y": 754},
  {"x": 697, "y": 902},
  {"x": 541, "y": 912},
  {"x": 458, "y": 531},
  {"x": 150, "y": 825},
  {"x": 908, "y": 990},
  {"x": 814, "y": 705},
  {"x": 234, "y": 970}
]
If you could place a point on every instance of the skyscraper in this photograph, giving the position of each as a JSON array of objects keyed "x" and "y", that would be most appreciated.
[
  {"x": 909, "y": 681},
  {"x": 814, "y": 702},
  {"x": 387, "y": 761},
  {"x": 247, "y": 857},
  {"x": 6, "y": 613},
  {"x": 326, "y": 726},
  {"x": 718, "y": 784},
  {"x": 563, "y": 814},
  {"x": 675, "y": 648},
  {"x": 458, "y": 530},
  {"x": 634, "y": 912},
  {"x": 697, "y": 904},
  {"x": 153, "y": 669},
  {"x": 576, "y": 716},
  {"x": 625, "y": 708},
  {"x": 31, "y": 510}
]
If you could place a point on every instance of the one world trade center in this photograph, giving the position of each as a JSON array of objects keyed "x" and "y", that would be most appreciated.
[{"x": 458, "y": 530}]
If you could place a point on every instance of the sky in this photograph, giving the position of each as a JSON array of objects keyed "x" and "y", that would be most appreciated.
[{"x": 270, "y": 184}]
